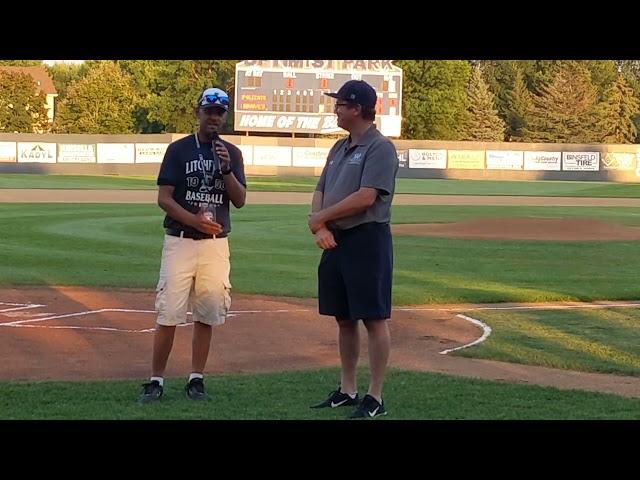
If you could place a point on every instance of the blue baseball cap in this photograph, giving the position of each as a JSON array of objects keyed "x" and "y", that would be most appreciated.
[
  {"x": 214, "y": 97},
  {"x": 356, "y": 91}
]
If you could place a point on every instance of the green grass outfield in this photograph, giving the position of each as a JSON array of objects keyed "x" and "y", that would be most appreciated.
[
  {"x": 410, "y": 396},
  {"x": 274, "y": 254},
  {"x": 80, "y": 182},
  {"x": 586, "y": 339},
  {"x": 307, "y": 184}
]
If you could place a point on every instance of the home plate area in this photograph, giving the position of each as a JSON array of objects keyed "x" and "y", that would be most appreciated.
[{"x": 77, "y": 333}]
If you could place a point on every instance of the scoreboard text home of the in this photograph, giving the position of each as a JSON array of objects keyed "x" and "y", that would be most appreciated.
[{"x": 287, "y": 95}]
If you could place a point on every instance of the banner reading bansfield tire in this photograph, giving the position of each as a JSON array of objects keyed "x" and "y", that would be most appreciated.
[{"x": 287, "y": 95}]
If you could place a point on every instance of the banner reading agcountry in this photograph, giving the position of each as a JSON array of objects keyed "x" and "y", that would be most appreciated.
[
  {"x": 619, "y": 161},
  {"x": 581, "y": 161},
  {"x": 36, "y": 152},
  {"x": 422, "y": 158},
  {"x": 542, "y": 160},
  {"x": 310, "y": 156},
  {"x": 150, "y": 152},
  {"x": 7, "y": 151},
  {"x": 76, "y": 153},
  {"x": 274, "y": 156},
  {"x": 466, "y": 159},
  {"x": 504, "y": 159},
  {"x": 116, "y": 152}
]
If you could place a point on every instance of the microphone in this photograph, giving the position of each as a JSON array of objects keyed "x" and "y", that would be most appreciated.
[{"x": 215, "y": 137}]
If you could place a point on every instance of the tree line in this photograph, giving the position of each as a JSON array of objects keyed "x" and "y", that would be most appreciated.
[{"x": 564, "y": 101}]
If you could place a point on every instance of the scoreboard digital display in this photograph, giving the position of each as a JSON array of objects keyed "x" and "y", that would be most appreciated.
[{"x": 287, "y": 95}]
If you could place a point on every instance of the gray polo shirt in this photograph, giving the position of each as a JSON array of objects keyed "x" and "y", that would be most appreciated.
[{"x": 373, "y": 162}]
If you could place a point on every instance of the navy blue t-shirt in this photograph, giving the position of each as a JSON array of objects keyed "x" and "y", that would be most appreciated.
[{"x": 191, "y": 168}]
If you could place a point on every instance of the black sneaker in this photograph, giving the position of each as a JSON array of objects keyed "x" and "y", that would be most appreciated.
[
  {"x": 369, "y": 408},
  {"x": 195, "y": 389},
  {"x": 337, "y": 399},
  {"x": 151, "y": 392}
]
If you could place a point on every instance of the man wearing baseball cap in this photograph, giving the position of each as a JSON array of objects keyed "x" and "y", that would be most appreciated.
[
  {"x": 199, "y": 176},
  {"x": 350, "y": 215}
]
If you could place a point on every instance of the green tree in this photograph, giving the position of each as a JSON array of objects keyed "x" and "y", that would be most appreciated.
[
  {"x": 147, "y": 75},
  {"x": 604, "y": 73},
  {"x": 63, "y": 76},
  {"x": 434, "y": 98},
  {"x": 22, "y": 108},
  {"x": 631, "y": 71},
  {"x": 21, "y": 63},
  {"x": 177, "y": 85},
  {"x": 537, "y": 73},
  {"x": 564, "y": 110},
  {"x": 616, "y": 113},
  {"x": 500, "y": 76},
  {"x": 519, "y": 104},
  {"x": 103, "y": 101},
  {"x": 482, "y": 122}
]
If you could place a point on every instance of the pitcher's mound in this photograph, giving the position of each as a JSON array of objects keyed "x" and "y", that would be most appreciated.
[{"x": 555, "y": 229}]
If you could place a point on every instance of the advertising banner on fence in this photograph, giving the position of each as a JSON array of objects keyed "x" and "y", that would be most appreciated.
[
  {"x": 150, "y": 152},
  {"x": 619, "y": 161},
  {"x": 116, "y": 152},
  {"x": 36, "y": 152},
  {"x": 504, "y": 160},
  {"x": 76, "y": 153},
  {"x": 247, "y": 154},
  {"x": 581, "y": 161},
  {"x": 7, "y": 151},
  {"x": 542, "y": 160},
  {"x": 467, "y": 159},
  {"x": 421, "y": 158},
  {"x": 274, "y": 156},
  {"x": 310, "y": 156},
  {"x": 403, "y": 158}
]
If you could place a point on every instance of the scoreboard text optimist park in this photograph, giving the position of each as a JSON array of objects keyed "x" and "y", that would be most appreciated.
[{"x": 287, "y": 95}]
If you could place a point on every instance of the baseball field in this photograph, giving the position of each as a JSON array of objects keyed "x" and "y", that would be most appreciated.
[{"x": 512, "y": 300}]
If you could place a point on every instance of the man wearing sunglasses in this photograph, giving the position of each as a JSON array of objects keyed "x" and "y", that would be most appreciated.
[
  {"x": 199, "y": 176},
  {"x": 350, "y": 216}
]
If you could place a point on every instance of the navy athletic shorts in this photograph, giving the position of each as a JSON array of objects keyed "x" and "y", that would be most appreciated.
[{"x": 354, "y": 279}]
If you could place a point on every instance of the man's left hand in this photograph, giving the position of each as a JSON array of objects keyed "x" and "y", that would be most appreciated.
[
  {"x": 223, "y": 155},
  {"x": 325, "y": 239}
]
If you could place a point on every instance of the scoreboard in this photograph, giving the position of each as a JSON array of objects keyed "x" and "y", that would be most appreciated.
[{"x": 287, "y": 95}]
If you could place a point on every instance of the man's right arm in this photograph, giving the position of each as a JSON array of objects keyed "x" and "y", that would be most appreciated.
[
  {"x": 324, "y": 237},
  {"x": 175, "y": 211},
  {"x": 316, "y": 202},
  {"x": 318, "y": 194}
]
